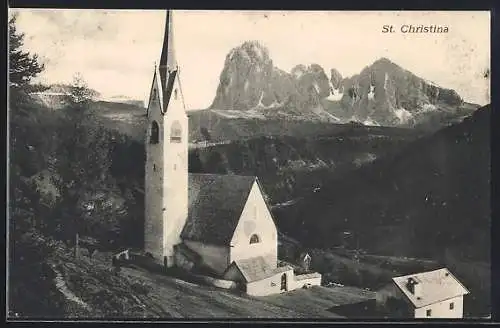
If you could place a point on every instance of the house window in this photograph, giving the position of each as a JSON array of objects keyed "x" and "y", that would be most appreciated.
[
  {"x": 176, "y": 132},
  {"x": 429, "y": 313},
  {"x": 452, "y": 306},
  {"x": 254, "y": 239},
  {"x": 155, "y": 133}
]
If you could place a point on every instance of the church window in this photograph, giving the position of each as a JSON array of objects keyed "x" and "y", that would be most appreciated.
[
  {"x": 155, "y": 133},
  {"x": 254, "y": 239},
  {"x": 176, "y": 132},
  {"x": 175, "y": 94},
  {"x": 154, "y": 167},
  {"x": 153, "y": 95}
]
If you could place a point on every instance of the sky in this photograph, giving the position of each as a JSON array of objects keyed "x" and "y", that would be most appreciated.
[{"x": 115, "y": 51}]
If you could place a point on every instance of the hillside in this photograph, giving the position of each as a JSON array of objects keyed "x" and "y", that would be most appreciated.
[
  {"x": 437, "y": 178},
  {"x": 87, "y": 288},
  {"x": 290, "y": 167},
  {"x": 424, "y": 201}
]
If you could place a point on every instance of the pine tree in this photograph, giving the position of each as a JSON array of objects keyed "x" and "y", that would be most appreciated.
[{"x": 23, "y": 66}]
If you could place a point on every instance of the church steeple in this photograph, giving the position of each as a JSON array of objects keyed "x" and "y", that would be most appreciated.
[
  {"x": 168, "y": 66},
  {"x": 168, "y": 63}
]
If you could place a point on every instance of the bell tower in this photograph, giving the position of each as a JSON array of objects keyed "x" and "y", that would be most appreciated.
[{"x": 166, "y": 144}]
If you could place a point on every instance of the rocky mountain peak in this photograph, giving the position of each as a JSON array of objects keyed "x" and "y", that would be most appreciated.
[
  {"x": 249, "y": 51},
  {"x": 383, "y": 93}
]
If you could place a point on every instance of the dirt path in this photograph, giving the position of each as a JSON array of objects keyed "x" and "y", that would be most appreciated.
[{"x": 63, "y": 288}]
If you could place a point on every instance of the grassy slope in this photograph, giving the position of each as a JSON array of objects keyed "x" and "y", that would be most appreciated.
[{"x": 137, "y": 293}]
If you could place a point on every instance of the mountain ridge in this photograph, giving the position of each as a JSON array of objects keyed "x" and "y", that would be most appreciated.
[{"x": 383, "y": 93}]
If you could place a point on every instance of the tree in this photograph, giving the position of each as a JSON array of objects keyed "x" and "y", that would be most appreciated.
[
  {"x": 83, "y": 161},
  {"x": 23, "y": 66}
]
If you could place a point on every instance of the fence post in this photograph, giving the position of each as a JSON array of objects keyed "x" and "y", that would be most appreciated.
[{"x": 76, "y": 245}]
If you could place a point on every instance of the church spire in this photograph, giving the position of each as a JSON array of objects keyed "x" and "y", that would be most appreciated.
[
  {"x": 167, "y": 59},
  {"x": 168, "y": 64}
]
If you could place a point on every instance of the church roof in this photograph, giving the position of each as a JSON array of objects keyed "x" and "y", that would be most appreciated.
[
  {"x": 215, "y": 206},
  {"x": 168, "y": 68},
  {"x": 256, "y": 268}
]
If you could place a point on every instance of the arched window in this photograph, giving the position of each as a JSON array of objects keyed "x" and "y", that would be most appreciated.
[
  {"x": 283, "y": 282},
  {"x": 254, "y": 239},
  {"x": 176, "y": 132},
  {"x": 155, "y": 133}
]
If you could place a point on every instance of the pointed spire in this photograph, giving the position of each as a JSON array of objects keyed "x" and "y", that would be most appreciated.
[{"x": 167, "y": 59}]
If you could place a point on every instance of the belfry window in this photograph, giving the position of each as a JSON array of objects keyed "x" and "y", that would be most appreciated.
[
  {"x": 254, "y": 239},
  {"x": 154, "y": 138},
  {"x": 176, "y": 132},
  {"x": 175, "y": 94}
]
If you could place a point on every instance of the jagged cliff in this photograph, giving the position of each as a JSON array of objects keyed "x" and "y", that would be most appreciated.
[{"x": 381, "y": 94}]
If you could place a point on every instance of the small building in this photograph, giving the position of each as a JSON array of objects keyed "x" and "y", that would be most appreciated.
[
  {"x": 431, "y": 294},
  {"x": 257, "y": 278}
]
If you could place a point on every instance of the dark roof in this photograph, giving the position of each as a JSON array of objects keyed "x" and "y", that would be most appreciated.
[
  {"x": 168, "y": 65},
  {"x": 256, "y": 268},
  {"x": 215, "y": 206}
]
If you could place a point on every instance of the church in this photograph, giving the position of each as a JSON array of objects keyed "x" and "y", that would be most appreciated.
[{"x": 212, "y": 223}]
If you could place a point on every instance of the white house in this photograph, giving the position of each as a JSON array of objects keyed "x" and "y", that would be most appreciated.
[
  {"x": 432, "y": 294},
  {"x": 220, "y": 224}
]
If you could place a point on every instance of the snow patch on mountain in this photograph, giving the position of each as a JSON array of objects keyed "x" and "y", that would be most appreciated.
[
  {"x": 335, "y": 94},
  {"x": 316, "y": 86},
  {"x": 370, "y": 122},
  {"x": 386, "y": 80},
  {"x": 333, "y": 117},
  {"x": 403, "y": 115},
  {"x": 429, "y": 107},
  {"x": 228, "y": 113},
  {"x": 371, "y": 93}
]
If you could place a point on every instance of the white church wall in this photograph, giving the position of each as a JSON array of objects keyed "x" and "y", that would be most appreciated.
[
  {"x": 255, "y": 219},
  {"x": 271, "y": 285},
  {"x": 215, "y": 257},
  {"x": 153, "y": 193},
  {"x": 175, "y": 179}
]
